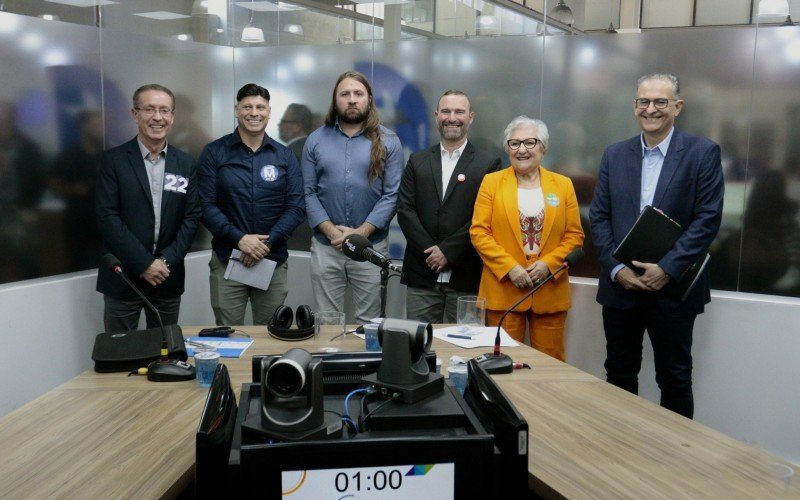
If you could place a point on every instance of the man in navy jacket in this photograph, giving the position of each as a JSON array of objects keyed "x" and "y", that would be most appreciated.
[
  {"x": 147, "y": 212},
  {"x": 681, "y": 175},
  {"x": 251, "y": 191}
]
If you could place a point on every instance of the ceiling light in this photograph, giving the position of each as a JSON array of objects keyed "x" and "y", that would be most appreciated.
[
  {"x": 220, "y": 30},
  {"x": 83, "y": 3},
  {"x": 562, "y": 13},
  {"x": 50, "y": 17},
  {"x": 773, "y": 8},
  {"x": 250, "y": 33},
  {"x": 161, "y": 15},
  {"x": 184, "y": 37},
  {"x": 294, "y": 29},
  {"x": 485, "y": 21}
]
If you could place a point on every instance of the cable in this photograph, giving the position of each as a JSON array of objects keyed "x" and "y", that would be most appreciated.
[
  {"x": 241, "y": 333},
  {"x": 363, "y": 420},
  {"x": 347, "y": 420},
  {"x": 347, "y": 400}
]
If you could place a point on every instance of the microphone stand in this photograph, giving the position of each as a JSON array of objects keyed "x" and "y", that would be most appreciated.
[
  {"x": 495, "y": 362},
  {"x": 384, "y": 285},
  {"x": 164, "y": 369}
]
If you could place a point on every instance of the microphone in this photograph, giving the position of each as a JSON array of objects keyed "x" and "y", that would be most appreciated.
[
  {"x": 360, "y": 249},
  {"x": 164, "y": 369},
  {"x": 494, "y": 362}
]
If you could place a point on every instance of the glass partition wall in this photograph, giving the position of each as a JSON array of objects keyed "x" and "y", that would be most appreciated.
[{"x": 66, "y": 88}]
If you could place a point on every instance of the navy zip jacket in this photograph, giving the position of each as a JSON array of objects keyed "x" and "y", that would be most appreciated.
[{"x": 245, "y": 192}]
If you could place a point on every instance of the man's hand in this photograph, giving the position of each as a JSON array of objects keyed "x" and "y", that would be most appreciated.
[
  {"x": 436, "y": 260},
  {"x": 654, "y": 277},
  {"x": 247, "y": 261},
  {"x": 344, "y": 232},
  {"x": 254, "y": 245},
  {"x": 538, "y": 271},
  {"x": 156, "y": 273},
  {"x": 519, "y": 277}
]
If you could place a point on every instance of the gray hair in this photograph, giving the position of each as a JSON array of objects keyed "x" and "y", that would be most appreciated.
[
  {"x": 664, "y": 77},
  {"x": 524, "y": 121}
]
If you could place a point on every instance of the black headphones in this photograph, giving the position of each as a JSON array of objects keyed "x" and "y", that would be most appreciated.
[{"x": 280, "y": 325}]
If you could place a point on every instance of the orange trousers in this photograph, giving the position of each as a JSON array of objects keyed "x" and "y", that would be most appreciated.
[{"x": 547, "y": 330}]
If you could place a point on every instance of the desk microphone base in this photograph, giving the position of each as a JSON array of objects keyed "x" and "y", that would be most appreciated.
[
  {"x": 495, "y": 363},
  {"x": 171, "y": 370}
]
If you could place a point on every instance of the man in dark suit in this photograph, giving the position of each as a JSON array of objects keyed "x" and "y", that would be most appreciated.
[
  {"x": 434, "y": 208},
  {"x": 681, "y": 175},
  {"x": 147, "y": 212},
  {"x": 294, "y": 127}
]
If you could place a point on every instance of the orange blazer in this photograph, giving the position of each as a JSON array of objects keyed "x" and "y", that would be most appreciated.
[{"x": 497, "y": 237}]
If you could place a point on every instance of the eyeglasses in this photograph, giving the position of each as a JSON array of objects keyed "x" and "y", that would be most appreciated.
[
  {"x": 528, "y": 143},
  {"x": 149, "y": 111},
  {"x": 658, "y": 103}
]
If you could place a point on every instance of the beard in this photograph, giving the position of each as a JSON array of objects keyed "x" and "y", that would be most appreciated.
[
  {"x": 452, "y": 134},
  {"x": 352, "y": 116}
]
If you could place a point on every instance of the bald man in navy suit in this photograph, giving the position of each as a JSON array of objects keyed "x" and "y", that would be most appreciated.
[{"x": 681, "y": 175}]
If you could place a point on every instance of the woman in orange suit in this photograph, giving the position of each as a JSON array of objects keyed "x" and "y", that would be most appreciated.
[{"x": 525, "y": 222}]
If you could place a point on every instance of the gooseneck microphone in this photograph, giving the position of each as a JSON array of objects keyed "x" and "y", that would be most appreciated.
[
  {"x": 495, "y": 362},
  {"x": 164, "y": 369},
  {"x": 360, "y": 249}
]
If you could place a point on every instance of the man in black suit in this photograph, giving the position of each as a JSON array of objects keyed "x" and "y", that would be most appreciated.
[
  {"x": 147, "y": 212},
  {"x": 434, "y": 208},
  {"x": 294, "y": 127}
]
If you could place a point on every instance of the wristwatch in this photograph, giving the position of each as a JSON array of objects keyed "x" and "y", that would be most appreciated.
[{"x": 164, "y": 260}]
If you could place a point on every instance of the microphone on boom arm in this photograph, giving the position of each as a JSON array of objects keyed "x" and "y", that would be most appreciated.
[
  {"x": 495, "y": 362},
  {"x": 360, "y": 249},
  {"x": 164, "y": 369}
]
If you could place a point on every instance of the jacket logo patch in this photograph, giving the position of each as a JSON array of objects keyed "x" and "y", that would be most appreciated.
[
  {"x": 552, "y": 199},
  {"x": 269, "y": 173},
  {"x": 175, "y": 183}
]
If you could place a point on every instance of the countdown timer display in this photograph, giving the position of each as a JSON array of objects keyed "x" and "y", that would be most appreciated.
[{"x": 389, "y": 482}]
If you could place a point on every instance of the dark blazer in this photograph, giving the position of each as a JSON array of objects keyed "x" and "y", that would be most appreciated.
[
  {"x": 690, "y": 190},
  {"x": 426, "y": 219},
  {"x": 124, "y": 208}
]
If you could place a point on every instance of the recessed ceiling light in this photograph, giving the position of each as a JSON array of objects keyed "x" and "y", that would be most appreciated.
[
  {"x": 50, "y": 17},
  {"x": 184, "y": 37},
  {"x": 264, "y": 6},
  {"x": 83, "y": 3},
  {"x": 161, "y": 15}
]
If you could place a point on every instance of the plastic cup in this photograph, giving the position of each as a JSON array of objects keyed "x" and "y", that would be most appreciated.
[
  {"x": 206, "y": 364},
  {"x": 470, "y": 312},
  {"x": 371, "y": 337},
  {"x": 458, "y": 376},
  {"x": 329, "y": 328}
]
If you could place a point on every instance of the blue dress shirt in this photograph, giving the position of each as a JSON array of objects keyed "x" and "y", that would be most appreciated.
[
  {"x": 337, "y": 185},
  {"x": 652, "y": 161}
]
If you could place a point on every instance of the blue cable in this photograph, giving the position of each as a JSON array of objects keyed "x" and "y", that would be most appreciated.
[{"x": 347, "y": 401}]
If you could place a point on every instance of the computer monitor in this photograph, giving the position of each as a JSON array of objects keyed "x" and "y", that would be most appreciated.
[
  {"x": 214, "y": 437},
  {"x": 510, "y": 429},
  {"x": 451, "y": 467}
]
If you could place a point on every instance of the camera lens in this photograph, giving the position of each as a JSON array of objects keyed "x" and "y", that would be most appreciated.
[{"x": 284, "y": 379}]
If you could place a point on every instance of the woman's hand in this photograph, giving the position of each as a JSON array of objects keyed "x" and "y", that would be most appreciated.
[
  {"x": 519, "y": 277},
  {"x": 538, "y": 271}
]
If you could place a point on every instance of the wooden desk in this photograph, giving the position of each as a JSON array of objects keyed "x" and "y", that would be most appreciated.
[{"x": 114, "y": 436}]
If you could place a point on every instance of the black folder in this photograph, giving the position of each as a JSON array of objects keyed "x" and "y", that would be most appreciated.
[{"x": 653, "y": 235}]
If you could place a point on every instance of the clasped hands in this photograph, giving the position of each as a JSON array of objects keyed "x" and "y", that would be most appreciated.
[
  {"x": 156, "y": 273},
  {"x": 526, "y": 277},
  {"x": 653, "y": 279},
  {"x": 254, "y": 247}
]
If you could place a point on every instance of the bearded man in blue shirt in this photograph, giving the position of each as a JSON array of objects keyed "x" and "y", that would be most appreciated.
[
  {"x": 351, "y": 169},
  {"x": 251, "y": 190}
]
